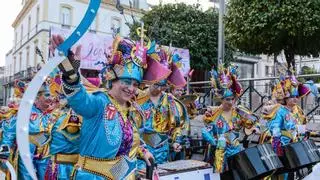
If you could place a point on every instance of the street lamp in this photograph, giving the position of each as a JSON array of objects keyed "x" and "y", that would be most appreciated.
[{"x": 221, "y": 43}]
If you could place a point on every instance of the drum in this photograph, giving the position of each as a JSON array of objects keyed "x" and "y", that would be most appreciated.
[
  {"x": 254, "y": 163},
  {"x": 184, "y": 169},
  {"x": 299, "y": 155}
]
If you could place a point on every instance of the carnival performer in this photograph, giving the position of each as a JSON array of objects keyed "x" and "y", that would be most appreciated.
[
  {"x": 7, "y": 148},
  {"x": 64, "y": 133},
  {"x": 108, "y": 144},
  {"x": 166, "y": 116},
  {"x": 284, "y": 115},
  {"x": 39, "y": 133},
  {"x": 223, "y": 123},
  {"x": 64, "y": 144}
]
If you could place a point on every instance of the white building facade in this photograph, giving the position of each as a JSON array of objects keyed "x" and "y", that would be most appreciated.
[{"x": 32, "y": 30}]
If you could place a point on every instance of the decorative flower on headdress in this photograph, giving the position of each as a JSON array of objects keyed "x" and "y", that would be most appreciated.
[
  {"x": 224, "y": 82},
  {"x": 288, "y": 86}
]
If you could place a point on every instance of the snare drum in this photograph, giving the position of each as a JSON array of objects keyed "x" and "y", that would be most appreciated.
[
  {"x": 299, "y": 155},
  {"x": 186, "y": 170},
  {"x": 255, "y": 162}
]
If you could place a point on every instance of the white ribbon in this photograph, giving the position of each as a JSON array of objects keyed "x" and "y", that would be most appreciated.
[{"x": 33, "y": 88}]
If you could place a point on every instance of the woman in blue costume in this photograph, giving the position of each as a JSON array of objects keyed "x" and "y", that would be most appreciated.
[
  {"x": 223, "y": 123},
  {"x": 64, "y": 144},
  {"x": 39, "y": 134},
  {"x": 108, "y": 140},
  {"x": 279, "y": 113},
  {"x": 7, "y": 146},
  {"x": 166, "y": 116},
  {"x": 64, "y": 135}
]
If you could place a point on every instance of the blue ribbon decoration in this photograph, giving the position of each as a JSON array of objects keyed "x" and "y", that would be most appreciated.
[{"x": 29, "y": 96}]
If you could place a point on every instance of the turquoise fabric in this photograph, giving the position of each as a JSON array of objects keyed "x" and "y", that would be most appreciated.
[
  {"x": 220, "y": 135},
  {"x": 283, "y": 120},
  {"x": 131, "y": 71},
  {"x": 100, "y": 137},
  {"x": 34, "y": 128},
  {"x": 160, "y": 153},
  {"x": 63, "y": 142}
]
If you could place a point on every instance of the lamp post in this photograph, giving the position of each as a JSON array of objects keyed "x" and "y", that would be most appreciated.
[{"x": 221, "y": 43}]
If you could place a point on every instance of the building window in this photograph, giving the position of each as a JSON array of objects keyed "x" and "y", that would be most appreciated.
[
  {"x": 15, "y": 38},
  {"x": 37, "y": 18},
  {"x": 20, "y": 62},
  {"x": 21, "y": 35},
  {"x": 28, "y": 57},
  {"x": 29, "y": 25},
  {"x": 14, "y": 65},
  {"x": 35, "y": 61},
  {"x": 268, "y": 71},
  {"x": 115, "y": 25},
  {"x": 65, "y": 16},
  {"x": 136, "y": 4}
]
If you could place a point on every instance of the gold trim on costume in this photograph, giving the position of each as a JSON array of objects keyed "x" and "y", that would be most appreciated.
[
  {"x": 66, "y": 158},
  {"x": 107, "y": 168}
]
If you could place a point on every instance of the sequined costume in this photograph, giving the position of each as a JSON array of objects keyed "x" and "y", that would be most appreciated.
[
  {"x": 39, "y": 138},
  {"x": 64, "y": 145},
  {"x": 281, "y": 121},
  {"x": 7, "y": 143},
  {"x": 109, "y": 142},
  {"x": 106, "y": 135},
  {"x": 165, "y": 120},
  {"x": 222, "y": 133},
  {"x": 222, "y": 128}
]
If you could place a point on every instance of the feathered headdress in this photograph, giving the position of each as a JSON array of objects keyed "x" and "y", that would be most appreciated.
[
  {"x": 224, "y": 82},
  {"x": 288, "y": 86},
  {"x": 129, "y": 60}
]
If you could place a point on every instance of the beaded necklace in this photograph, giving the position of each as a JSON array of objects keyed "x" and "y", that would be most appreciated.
[
  {"x": 122, "y": 110},
  {"x": 127, "y": 127}
]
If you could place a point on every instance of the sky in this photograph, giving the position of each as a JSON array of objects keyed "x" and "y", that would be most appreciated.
[{"x": 9, "y": 10}]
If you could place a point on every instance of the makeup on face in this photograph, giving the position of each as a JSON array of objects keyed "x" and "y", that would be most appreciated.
[{"x": 129, "y": 82}]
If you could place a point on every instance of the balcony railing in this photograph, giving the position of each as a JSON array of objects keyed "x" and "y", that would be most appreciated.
[{"x": 22, "y": 75}]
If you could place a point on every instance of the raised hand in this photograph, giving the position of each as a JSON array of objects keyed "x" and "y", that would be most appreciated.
[{"x": 69, "y": 67}]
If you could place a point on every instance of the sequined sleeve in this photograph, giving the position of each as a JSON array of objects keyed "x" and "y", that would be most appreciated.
[
  {"x": 84, "y": 104},
  {"x": 9, "y": 132},
  {"x": 181, "y": 121}
]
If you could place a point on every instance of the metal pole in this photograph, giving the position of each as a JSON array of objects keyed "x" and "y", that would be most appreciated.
[
  {"x": 300, "y": 70},
  {"x": 188, "y": 85},
  {"x": 221, "y": 33}
]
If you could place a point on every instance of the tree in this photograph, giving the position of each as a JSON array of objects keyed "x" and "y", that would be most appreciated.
[
  {"x": 272, "y": 26},
  {"x": 184, "y": 26},
  {"x": 309, "y": 70}
]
